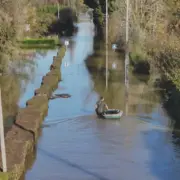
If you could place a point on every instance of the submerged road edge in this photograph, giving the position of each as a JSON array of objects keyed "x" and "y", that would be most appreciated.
[{"x": 22, "y": 137}]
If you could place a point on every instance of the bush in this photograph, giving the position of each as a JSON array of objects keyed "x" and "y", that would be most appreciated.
[{"x": 38, "y": 41}]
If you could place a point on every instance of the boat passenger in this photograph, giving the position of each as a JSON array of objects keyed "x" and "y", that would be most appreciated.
[{"x": 101, "y": 106}]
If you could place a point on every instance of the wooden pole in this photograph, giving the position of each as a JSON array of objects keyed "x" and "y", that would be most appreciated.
[
  {"x": 106, "y": 43},
  {"x": 69, "y": 3},
  {"x": 126, "y": 100},
  {"x": 3, "y": 149},
  {"x": 127, "y": 21},
  {"x": 127, "y": 44},
  {"x": 58, "y": 9},
  {"x": 127, "y": 59}
]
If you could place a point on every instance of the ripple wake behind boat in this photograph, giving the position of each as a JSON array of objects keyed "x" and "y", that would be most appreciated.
[{"x": 59, "y": 120}]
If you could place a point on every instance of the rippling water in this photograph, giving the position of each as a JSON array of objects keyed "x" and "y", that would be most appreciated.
[{"x": 75, "y": 145}]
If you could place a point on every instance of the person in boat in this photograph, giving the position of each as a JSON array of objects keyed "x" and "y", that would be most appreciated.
[{"x": 101, "y": 106}]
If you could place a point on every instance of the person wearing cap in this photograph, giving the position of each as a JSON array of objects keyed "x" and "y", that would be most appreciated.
[{"x": 101, "y": 106}]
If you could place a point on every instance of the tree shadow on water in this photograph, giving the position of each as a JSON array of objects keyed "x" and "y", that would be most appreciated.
[{"x": 72, "y": 165}]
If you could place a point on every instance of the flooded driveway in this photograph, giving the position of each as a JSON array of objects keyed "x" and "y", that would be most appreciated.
[{"x": 75, "y": 145}]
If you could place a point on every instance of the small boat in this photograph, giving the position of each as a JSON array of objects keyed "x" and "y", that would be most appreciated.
[{"x": 112, "y": 114}]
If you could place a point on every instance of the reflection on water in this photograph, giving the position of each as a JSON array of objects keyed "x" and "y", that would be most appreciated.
[
  {"x": 23, "y": 77},
  {"x": 12, "y": 83},
  {"x": 10, "y": 86},
  {"x": 42, "y": 61},
  {"x": 140, "y": 145},
  {"x": 139, "y": 96}
]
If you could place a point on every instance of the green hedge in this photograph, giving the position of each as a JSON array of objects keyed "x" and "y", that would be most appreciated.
[{"x": 38, "y": 41}]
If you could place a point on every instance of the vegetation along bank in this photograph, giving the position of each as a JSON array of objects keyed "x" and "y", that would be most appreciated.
[{"x": 153, "y": 39}]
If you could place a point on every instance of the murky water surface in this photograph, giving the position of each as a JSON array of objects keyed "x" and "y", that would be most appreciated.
[{"x": 76, "y": 145}]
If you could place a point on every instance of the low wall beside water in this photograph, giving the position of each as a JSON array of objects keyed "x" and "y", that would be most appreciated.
[{"x": 22, "y": 137}]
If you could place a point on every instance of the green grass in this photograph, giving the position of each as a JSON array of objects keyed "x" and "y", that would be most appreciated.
[
  {"x": 37, "y": 47},
  {"x": 137, "y": 57},
  {"x": 40, "y": 43},
  {"x": 3, "y": 176}
]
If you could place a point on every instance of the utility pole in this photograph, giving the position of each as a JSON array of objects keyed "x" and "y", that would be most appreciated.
[
  {"x": 58, "y": 7},
  {"x": 3, "y": 148},
  {"x": 127, "y": 21},
  {"x": 127, "y": 44},
  {"x": 106, "y": 43},
  {"x": 64, "y": 2},
  {"x": 58, "y": 10},
  {"x": 69, "y": 3},
  {"x": 127, "y": 59}
]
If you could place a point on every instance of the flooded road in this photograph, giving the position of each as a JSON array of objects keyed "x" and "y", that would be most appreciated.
[
  {"x": 23, "y": 77},
  {"x": 76, "y": 145},
  {"x": 42, "y": 62}
]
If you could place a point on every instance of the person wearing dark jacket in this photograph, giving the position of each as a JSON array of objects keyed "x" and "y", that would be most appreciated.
[{"x": 101, "y": 106}]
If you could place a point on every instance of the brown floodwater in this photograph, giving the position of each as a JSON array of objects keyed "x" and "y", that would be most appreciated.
[{"x": 76, "y": 145}]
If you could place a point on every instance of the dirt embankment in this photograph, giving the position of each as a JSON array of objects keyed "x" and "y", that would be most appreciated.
[{"x": 22, "y": 137}]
